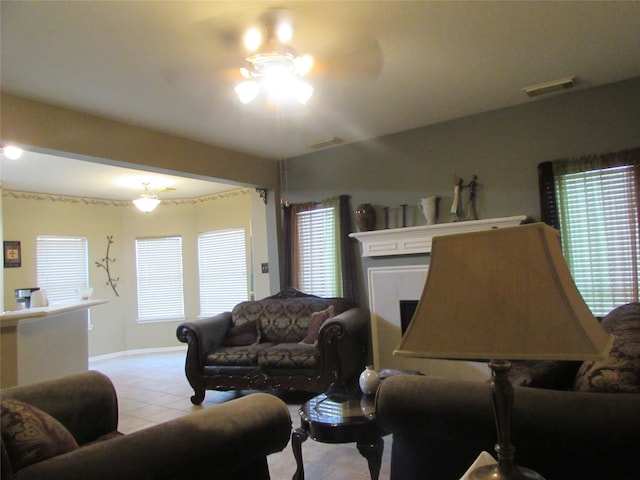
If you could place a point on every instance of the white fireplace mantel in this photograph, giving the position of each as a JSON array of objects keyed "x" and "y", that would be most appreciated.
[{"x": 411, "y": 240}]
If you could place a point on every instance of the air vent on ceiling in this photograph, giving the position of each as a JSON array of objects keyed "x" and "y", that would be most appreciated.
[
  {"x": 326, "y": 143},
  {"x": 550, "y": 87}
]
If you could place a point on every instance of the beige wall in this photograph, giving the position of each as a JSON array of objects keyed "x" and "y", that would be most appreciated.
[
  {"x": 114, "y": 324},
  {"x": 52, "y": 128},
  {"x": 60, "y": 131}
]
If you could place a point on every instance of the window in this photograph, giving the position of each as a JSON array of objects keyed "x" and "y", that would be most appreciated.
[
  {"x": 62, "y": 267},
  {"x": 318, "y": 262},
  {"x": 319, "y": 254},
  {"x": 159, "y": 277},
  {"x": 598, "y": 216},
  {"x": 222, "y": 264}
]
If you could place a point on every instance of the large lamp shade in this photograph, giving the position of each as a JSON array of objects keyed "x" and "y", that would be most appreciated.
[{"x": 505, "y": 293}]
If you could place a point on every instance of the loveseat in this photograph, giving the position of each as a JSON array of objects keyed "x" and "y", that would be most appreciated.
[
  {"x": 67, "y": 429},
  {"x": 291, "y": 341},
  {"x": 571, "y": 420}
]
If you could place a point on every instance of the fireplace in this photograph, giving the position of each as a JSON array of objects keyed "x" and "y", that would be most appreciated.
[
  {"x": 394, "y": 292},
  {"x": 407, "y": 309},
  {"x": 393, "y": 297}
]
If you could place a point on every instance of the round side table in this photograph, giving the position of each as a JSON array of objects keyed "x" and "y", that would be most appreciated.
[{"x": 340, "y": 419}]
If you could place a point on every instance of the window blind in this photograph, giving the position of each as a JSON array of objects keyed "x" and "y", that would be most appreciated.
[
  {"x": 159, "y": 279},
  {"x": 222, "y": 265},
  {"x": 599, "y": 223},
  {"x": 317, "y": 250},
  {"x": 61, "y": 267}
]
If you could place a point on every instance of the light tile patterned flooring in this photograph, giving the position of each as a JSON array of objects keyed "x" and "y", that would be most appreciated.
[{"x": 152, "y": 388}]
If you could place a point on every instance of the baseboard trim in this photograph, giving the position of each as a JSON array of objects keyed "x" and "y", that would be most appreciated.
[{"x": 140, "y": 351}]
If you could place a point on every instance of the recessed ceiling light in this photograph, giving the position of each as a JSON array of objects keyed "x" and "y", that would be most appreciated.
[{"x": 12, "y": 152}]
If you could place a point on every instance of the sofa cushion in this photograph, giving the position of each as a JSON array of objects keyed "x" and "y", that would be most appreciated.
[
  {"x": 241, "y": 356},
  {"x": 31, "y": 435},
  {"x": 317, "y": 319},
  {"x": 284, "y": 320},
  {"x": 289, "y": 356},
  {"x": 620, "y": 372},
  {"x": 242, "y": 334}
]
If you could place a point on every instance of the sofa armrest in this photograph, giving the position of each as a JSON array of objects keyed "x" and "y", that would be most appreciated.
[
  {"x": 555, "y": 432},
  {"x": 204, "y": 335},
  {"x": 345, "y": 335},
  {"x": 85, "y": 403},
  {"x": 215, "y": 442},
  {"x": 352, "y": 322}
]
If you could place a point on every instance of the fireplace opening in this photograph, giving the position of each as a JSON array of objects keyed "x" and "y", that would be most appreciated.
[{"x": 407, "y": 309}]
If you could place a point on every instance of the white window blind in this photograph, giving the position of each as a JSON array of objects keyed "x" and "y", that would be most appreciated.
[
  {"x": 159, "y": 276},
  {"x": 316, "y": 273},
  {"x": 61, "y": 267},
  {"x": 599, "y": 224},
  {"x": 222, "y": 263}
]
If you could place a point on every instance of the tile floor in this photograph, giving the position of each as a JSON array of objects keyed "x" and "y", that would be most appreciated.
[{"x": 152, "y": 388}]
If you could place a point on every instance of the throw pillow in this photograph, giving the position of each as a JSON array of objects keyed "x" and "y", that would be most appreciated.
[
  {"x": 553, "y": 374},
  {"x": 243, "y": 334},
  {"x": 620, "y": 372},
  {"x": 317, "y": 319},
  {"x": 31, "y": 435}
]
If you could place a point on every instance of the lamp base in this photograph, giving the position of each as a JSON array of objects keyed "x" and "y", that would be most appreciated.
[{"x": 494, "y": 472}]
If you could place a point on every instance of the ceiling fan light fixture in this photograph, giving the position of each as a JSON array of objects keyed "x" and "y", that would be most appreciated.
[
  {"x": 247, "y": 91},
  {"x": 275, "y": 68},
  {"x": 303, "y": 64},
  {"x": 148, "y": 201},
  {"x": 252, "y": 39},
  {"x": 302, "y": 92},
  {"x": 284, "y": 32}
]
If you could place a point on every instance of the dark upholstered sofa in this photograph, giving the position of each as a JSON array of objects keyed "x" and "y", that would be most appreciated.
[
  {"x": 226, "y": 441},
  {"x": 290, "y": 341},
  {"x": 571, "y": 420}
]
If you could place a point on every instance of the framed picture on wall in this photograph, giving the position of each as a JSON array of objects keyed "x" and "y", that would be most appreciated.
[{"x": 12, "y": 254}]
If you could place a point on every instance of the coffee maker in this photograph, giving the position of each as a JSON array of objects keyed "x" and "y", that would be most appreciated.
[{"x": 23, "y": 297}]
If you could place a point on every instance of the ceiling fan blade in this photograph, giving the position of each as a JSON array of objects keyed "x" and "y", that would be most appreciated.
[{"x": 359, "y": 57}]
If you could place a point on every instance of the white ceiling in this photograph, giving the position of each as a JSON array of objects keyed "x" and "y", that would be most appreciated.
[{"x": 381, "y": 67}]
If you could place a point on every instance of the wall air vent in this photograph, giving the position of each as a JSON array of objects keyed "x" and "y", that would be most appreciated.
[
  {"x": 329, "y": 142},
  {"x": 550, "y": 87}
]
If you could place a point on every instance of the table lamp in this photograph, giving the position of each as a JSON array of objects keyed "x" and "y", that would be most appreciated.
[{"x": 500, "y": 295}]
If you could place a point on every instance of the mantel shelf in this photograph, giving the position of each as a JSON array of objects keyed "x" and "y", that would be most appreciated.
[{"x": 412, "y": 240}]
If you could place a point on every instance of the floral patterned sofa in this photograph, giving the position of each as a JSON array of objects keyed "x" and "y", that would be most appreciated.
[{"x": 289, "y": 341}]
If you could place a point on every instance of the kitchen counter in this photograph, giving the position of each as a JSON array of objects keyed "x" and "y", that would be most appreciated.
[{"x": 45, "y": 342}]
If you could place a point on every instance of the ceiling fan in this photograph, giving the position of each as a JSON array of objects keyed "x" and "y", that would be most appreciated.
[
  {"x": 247, "y": 44},
  {"x": 273, "y": 65}
]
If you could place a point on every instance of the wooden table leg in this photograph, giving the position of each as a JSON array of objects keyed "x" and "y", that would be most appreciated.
[
  {"x": 373, "y": 453},
  {"x": 297, "y": 437}
]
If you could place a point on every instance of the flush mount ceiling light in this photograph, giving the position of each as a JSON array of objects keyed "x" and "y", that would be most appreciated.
[
  {"x": 148, "y": 201},
  {"x": 275, "y": 67}
]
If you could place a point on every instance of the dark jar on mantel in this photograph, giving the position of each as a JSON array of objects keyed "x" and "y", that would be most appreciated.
[{"x": 366, "y": 217}]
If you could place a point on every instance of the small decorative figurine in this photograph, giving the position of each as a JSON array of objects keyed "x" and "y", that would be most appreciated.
[
  {"x": 456, "y": 209},
  {"x": 471, "y": 213}
]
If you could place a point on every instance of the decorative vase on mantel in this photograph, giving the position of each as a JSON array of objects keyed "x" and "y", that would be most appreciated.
[
  {"x": 366, "y": 217},
  {"x": 429, "y": 208}
]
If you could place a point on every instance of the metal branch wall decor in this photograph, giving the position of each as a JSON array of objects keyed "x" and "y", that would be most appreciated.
[{"x": 112, "y": 282}]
